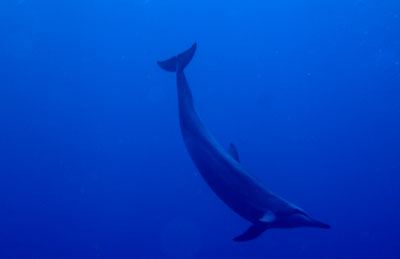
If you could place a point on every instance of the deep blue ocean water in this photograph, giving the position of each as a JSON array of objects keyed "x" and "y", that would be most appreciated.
[{"x": 92, "y": 163}]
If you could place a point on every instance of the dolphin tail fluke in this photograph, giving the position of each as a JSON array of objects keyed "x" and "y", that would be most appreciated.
[
  {"x": 178, "y": 62},
  {"x": 253, "y": 232}
]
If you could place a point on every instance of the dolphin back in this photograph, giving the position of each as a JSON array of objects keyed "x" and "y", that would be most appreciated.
[{"x": 178, "y": 62}]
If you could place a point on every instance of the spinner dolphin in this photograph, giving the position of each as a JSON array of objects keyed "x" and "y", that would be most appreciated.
[{"x": 221, "y": 169}]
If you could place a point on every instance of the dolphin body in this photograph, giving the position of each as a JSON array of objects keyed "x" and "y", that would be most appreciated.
[{"x": 223, "y": 172}]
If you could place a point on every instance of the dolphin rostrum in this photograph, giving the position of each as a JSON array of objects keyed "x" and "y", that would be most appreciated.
[{"x": 223, "y": 172}]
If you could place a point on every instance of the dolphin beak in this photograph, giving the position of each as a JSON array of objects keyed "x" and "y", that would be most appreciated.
[
  {"x": 318, "y": 224},
  {"x": 307, "y": 221}
]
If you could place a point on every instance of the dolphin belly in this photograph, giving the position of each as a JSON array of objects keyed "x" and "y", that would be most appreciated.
[{"x": 227, "y": 178}]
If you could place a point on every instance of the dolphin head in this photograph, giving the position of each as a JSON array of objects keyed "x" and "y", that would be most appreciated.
[{"x": 298, "y": 218}]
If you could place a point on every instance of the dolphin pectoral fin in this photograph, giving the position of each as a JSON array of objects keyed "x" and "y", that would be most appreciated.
[
  {"x": 233, "y": 152},
  {"x": 253, "y": 232}
]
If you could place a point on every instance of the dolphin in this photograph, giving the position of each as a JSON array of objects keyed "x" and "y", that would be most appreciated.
[{"x": 221, "y": 168}]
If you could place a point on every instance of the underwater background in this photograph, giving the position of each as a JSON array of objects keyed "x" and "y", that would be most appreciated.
[{"x": 92, "y": 162}]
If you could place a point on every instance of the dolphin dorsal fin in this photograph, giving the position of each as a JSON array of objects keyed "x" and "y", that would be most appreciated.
[{"x": 233, "y": 152}]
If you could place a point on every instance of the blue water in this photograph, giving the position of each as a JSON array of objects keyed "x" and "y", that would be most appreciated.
[{"x": 92, "y": 163}]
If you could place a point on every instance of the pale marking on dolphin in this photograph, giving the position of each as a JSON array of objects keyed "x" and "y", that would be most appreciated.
[{"x": 269, "y": 216}]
